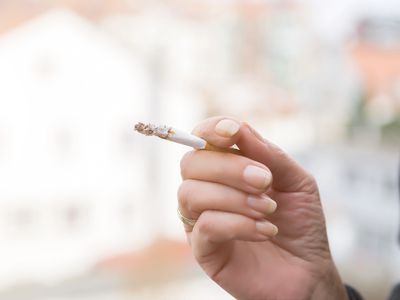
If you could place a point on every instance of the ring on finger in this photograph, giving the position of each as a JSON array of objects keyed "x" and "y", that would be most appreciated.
[{"x": 185, "y": 220}]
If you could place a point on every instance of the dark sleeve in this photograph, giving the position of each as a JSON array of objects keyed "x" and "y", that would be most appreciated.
[
  {"x": 353, "y": 294},
  {"x": 395, "y": 295}
]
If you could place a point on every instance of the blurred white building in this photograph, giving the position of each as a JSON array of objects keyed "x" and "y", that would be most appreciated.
[{"x": 72, "y": 182}]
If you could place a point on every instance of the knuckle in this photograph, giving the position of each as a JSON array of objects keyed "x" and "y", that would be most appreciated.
[
  {"x": 204, "y": 225},
  {"x": 185, "y": 163},
  {"x": 202, "y": 129},
  {"x": 312, "y": 179},
  {"x": 278, "y": 152},
  {"x": 311, "y": 184},
  {"x": 184, "y": 192},
  {"x": 281, "y": 155}
]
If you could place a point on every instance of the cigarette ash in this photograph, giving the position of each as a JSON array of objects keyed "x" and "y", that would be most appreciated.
[{"x": 161, "y": 131}]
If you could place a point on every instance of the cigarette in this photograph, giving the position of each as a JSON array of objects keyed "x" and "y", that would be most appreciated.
[{"x": 181, "y": 137}]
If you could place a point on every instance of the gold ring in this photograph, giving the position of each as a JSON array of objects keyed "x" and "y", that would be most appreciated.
[{"x": 187, "y": 221}]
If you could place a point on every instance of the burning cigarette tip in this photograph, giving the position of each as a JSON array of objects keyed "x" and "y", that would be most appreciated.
[{"x": 161, "y": 131}]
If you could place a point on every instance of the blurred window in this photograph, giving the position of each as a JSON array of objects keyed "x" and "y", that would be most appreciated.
[
  {"x": 63, "y": 141},
  {"x": 351, "y": 176},
  {"x": 127, "y": 211},
  {"x": 73, "y": 216},
  {"x": 22, "y": 219},
  {"x": 44, "y": 67},
  {"x": 389, "y": 183}
]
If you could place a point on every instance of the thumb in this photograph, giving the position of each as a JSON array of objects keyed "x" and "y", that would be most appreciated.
[
  {"x": 288, "y": 175},
  {"x": 224, "y": 132}
]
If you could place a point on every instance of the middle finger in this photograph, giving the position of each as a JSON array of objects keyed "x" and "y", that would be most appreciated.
[{"x": 196, "y": 196}]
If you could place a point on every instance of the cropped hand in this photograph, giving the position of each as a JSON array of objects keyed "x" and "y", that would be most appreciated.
[{"x": 260, "y": 231}]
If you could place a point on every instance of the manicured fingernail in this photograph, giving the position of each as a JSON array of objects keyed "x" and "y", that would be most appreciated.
[
  {"x": 227, "y": 128},
  {"x": 266, "y": 228},
  {"x": 262, "y": 204},
  {"x": 257, "y": 177}
]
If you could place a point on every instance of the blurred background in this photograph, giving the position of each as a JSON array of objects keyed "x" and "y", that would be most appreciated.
[{"x": 88, "y": 207}]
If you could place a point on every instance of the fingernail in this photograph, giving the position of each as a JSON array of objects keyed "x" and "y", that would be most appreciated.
[
  {"x": 227, "y": 128},
  {"x": 262, "y": 204},
  {"x": 257, "y": 177},
  {"x": 266, "y": 228}
]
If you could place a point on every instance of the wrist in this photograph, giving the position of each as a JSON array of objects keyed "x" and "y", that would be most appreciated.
[{"x": 329, "y": 285}]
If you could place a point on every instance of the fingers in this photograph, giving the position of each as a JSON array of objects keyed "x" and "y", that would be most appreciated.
[
  {"x": 225, "y": 132},
  {"x": 196, "y": 196},
  {"x": 216, "y": 227},
  {"x": 225, "y": 168}
]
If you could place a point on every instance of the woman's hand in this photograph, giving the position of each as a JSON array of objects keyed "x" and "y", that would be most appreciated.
[{"x": 240, "y": 203}]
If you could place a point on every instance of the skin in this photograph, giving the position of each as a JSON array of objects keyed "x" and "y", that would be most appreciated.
[{"x": 295, "y": 263}]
